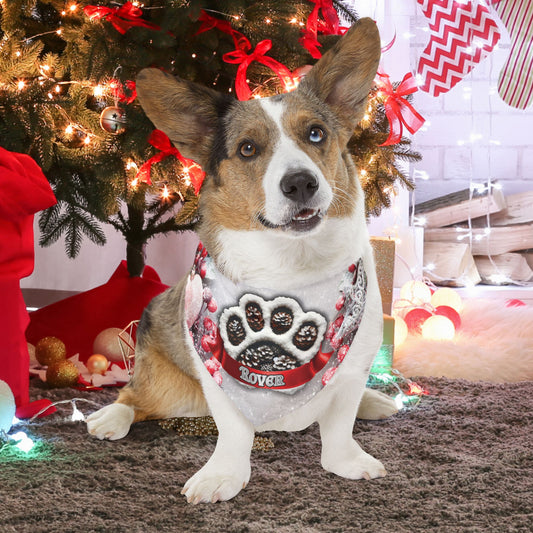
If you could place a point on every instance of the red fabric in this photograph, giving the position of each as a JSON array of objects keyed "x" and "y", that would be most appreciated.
[
  {"x": 79, "y": 319},
  {"x": 24, "y": 190}
]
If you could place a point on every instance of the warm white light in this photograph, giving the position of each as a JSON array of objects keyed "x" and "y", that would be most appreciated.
[
  {"x": 73, "y": 7},
  {"x": 87, "y": 140},
  {"x": 416, "y": 292},
  {"x": 21, "y": 84},
  {"x": 98, "y": 91},
  {"x": 400, "y": 330},
  {"x": 165, "y": 193},
  {"x": 447, "y": 296},
  {"x": 69, "y": 130},
  {"x": 438, "y": 328},
  {"x": 77, "y": 415}
]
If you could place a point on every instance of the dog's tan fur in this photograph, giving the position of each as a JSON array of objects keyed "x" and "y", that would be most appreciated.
[{"x": 210, "y": 129}]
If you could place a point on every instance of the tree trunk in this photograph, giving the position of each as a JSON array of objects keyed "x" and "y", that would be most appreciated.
[
  {"x": 135, "y": 257},
  {"x": 136, "y": 240}
]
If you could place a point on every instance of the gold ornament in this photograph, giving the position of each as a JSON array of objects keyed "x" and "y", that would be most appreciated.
[
  {"x": 113, "y": 120},
  {"x": 62, "y": 374},
  {"x": 97, "y": 364},
  {"x": 50, "y": 350},
  {"x": 204, "y": 426},
  {"x": 107, "y": 344}
]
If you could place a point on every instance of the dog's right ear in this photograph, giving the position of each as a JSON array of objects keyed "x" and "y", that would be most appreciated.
[{"x": 187, "y": 112}]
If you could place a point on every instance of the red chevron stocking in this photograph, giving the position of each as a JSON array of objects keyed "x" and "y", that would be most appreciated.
[
  {"x": 462, "y": 34},
  {"x": 515, "y": 84}
]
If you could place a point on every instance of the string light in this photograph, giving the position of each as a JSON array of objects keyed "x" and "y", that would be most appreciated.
[
  {"x": 98, "y": 91},
  {"x": 21, "y": 84}
]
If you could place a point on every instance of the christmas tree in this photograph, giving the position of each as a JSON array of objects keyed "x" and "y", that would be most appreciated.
[{"x": 67, "y": 98}]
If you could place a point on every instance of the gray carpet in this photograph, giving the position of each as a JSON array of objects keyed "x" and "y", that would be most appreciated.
[{"x": 459, "y": 462}]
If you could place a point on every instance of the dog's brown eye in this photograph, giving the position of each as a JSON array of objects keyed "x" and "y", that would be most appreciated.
[
  {"x": 316, "y": 134},
  {"x": 247, "y": 149}
]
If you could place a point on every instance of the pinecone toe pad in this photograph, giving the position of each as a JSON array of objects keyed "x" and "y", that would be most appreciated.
[{"x": 273, "y": 335}]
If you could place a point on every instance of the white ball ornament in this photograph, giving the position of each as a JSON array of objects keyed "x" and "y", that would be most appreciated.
[
  {"x": 7, "y": 407},
  {"x": 107, "y": 344},
  {"x": 447, "y": 296},
  {"x": 400, "y": 330},
  {"x": 438, "y": 328},
  {"x": 416, "y": 292}
]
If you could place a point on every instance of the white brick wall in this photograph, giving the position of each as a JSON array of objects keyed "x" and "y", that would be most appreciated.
[{"x": 505, "y": 150}]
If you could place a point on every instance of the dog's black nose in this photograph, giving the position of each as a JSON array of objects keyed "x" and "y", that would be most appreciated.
[{"x": 299, "y": 186}]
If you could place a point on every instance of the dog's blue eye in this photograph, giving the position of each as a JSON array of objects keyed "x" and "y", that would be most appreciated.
[
  {"x": 247, "y": 149},
  {"x": 316, "y": 135}
]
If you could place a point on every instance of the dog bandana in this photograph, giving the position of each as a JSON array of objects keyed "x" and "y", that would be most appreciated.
[{"x": 272, "y": 353}]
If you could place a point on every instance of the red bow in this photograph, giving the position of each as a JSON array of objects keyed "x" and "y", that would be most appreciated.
[
  {"x": 398, "y": 110},
  {"x": 243, "y": 59},
  {"x": 122, "y": 18},
  {"x": 118, "y": 91},
  {"x": 328, "y": 26},
  {"x": 209, "y": 22},
  {"x": 159, "y": 140}
]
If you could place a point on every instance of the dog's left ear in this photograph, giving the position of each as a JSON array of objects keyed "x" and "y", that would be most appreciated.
[
  {"x": 344, "y": 74},
  {"x": 187, "y": 112}
]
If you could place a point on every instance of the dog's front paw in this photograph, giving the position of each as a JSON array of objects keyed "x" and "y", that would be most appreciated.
[
  {"x": 214, "y": 483},
  {"x": 111, "y": 422},
  {"x": 356, "y": 464}
]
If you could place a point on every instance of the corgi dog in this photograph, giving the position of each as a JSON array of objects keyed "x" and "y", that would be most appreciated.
[{"x": 244, "y": 337}]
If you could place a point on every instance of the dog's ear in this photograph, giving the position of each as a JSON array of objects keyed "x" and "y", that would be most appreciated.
[
  {"x": 344, "y": 74},
  {"x": 187, "y": 112}
]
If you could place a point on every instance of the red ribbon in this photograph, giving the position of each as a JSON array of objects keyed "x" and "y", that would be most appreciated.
[
  {"x": 291, "y": 378},
  {"x": 209, "y": 23},
  {"x": 240, "y": 57},
  {"x": 122, "y": 18},
  {"x": 159, "y": 140},
  {"x": 398, "y": 110},
  {"x": 328, "y": 25}
]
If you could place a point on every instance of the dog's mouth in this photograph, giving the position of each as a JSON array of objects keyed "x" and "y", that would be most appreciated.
[{"x": 301, "y": 222}]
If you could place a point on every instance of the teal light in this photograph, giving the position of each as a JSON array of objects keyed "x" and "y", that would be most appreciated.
[{"x": 381, "y": 370}]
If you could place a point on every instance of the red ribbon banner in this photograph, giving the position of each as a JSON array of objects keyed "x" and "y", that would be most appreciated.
[
  {"x": 159, "y": 140},
  {"x": 244, "y": 60},
  {"x": 122, "y": 18},
  {"x": 398, "y": 110}
]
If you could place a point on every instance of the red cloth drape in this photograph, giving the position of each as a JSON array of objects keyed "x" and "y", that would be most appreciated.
[{"x": 24, "y": 190}]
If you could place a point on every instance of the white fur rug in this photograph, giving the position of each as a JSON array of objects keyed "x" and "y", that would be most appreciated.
[{"x": 494, "y": 343}]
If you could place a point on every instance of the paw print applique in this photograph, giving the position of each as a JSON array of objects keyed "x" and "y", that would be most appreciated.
[{"x": 271, "y": 336}]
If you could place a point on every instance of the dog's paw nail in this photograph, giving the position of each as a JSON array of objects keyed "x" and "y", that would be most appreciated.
[
  {"x": 366, "y": 475},
  {"x": 244, "y": 485},
  {"x": 215, "y": 497}
]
